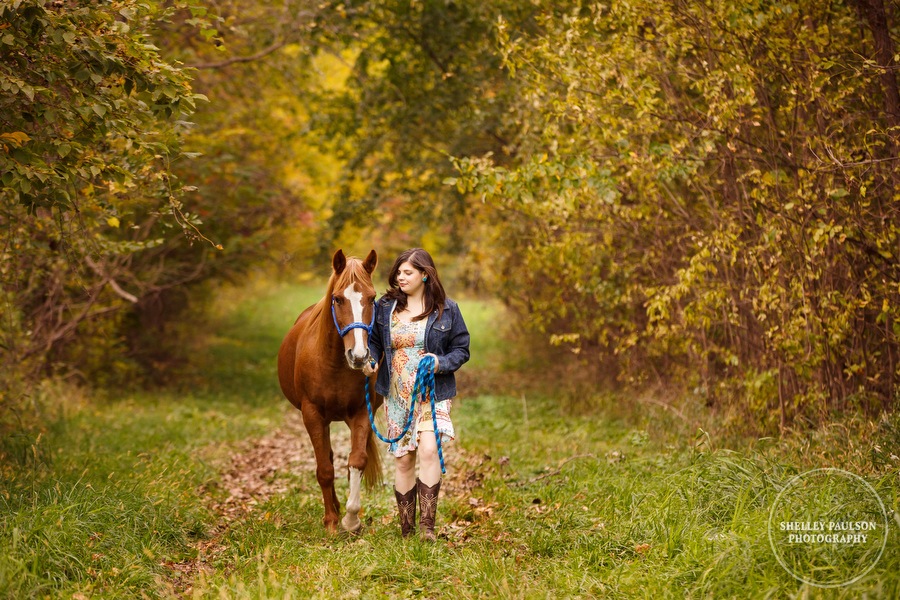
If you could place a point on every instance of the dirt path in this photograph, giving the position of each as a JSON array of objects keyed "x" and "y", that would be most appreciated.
[
  {"x": 260, "y": 469},
  {"x": 255, "y": 472},
  {"x": 263, "y": 468}
]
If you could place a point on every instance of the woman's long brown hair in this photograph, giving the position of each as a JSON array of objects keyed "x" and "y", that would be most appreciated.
[{"x": 434, "y": 296}]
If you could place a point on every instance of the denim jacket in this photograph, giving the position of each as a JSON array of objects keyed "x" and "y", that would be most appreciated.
[{"x": 447, "y": 338}]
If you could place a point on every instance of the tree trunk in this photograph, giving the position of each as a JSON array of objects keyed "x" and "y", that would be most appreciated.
[{"x": 875, "y": 15}]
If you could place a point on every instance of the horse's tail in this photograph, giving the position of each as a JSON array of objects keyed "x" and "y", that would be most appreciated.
[{"x": 373, "y": 475}]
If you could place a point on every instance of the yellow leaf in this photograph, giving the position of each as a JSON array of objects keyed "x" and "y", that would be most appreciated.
[
  {"x": 16, "y": 138},
  {"x": 113, "y": 222}
]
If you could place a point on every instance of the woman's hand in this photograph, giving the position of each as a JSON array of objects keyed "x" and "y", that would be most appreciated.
[
  {"x": 436, "y": 362},
  {"x": 370, "y": 368}
]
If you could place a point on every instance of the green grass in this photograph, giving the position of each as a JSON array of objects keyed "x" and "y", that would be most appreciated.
[{"x": 545, "y": 497}]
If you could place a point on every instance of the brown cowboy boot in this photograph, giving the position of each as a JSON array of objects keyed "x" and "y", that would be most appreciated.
[
  {"x": 406, "y": 504},
  {"x": 428, "y": 498}
]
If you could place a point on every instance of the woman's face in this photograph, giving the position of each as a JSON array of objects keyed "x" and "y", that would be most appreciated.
[{"x": 409, "y": 279}]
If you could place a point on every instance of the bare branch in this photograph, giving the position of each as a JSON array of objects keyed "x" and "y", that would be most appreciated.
[
  {"x": 107, "y": 278},
  {"x": 241, "y": 59}
]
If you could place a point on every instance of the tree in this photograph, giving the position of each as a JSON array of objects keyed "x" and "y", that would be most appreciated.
[
  {"x": 426, "y": 84},
  {"x": 711, "y": 198},
  {"x": 91, "y": 119}
]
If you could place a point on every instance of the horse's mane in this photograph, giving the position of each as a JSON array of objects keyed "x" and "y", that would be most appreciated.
[{"x": 354, "y": 272}]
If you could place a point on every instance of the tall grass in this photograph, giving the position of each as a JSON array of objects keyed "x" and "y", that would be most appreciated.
[
  {"x": 544, "y": 498},
  {"x": 582, "y": 510}
]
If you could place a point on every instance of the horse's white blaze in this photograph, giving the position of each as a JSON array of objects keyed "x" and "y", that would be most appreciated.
[
  {"x": 351, "y": 519},
  {"x": 355, "y": 298}
]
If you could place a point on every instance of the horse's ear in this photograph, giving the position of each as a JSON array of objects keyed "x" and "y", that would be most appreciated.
[
  {"x": 339, "y": 262},
  {"x": 370, "y": 262}
]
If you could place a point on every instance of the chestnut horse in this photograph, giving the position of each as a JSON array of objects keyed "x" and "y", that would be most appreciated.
[{"x": 319, "y": 369}]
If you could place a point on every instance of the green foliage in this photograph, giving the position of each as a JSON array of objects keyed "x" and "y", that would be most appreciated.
[
  {"x": 89, "y": 132},
  {"x": 258, "y": 174},
  {"x": 99, "y": 257},
  {"x": 425, "y": 84},
  {"x": 708, "y": 193},
  {"x": 82, "y": 91},
  {"x": 699, "y": 193}
]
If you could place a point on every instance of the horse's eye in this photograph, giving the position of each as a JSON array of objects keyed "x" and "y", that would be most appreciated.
[{"x": 338, "y": 301}]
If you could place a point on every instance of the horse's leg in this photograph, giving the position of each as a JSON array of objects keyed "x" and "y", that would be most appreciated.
[
  {"x": 359, "y": 433},
  {"x": 320, "y": 436}
]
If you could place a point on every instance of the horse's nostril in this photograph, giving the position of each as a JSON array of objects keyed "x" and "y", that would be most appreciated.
[{"x": 355, "y": 361}]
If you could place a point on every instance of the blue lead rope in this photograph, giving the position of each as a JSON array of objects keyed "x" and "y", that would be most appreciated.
[{"x": 424, "y": 388}]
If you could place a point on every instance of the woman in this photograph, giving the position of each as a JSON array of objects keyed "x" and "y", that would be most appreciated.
[{"x": 414, "y": 319}]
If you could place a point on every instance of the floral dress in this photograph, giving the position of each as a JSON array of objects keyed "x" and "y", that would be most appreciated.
[{"x": 408, "y": 344}]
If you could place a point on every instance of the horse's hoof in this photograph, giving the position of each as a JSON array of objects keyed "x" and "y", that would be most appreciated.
[{"x": 351, "y": 524}]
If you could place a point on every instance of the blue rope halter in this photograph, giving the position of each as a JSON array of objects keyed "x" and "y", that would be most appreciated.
[
  {"x": 424, "y": 388},
  {"x": 354, "y": 324}
]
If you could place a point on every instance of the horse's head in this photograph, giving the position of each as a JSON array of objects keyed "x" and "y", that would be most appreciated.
[{"x": 353, "y": 304}]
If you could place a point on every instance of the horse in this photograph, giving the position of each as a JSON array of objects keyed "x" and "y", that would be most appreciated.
[{"x": 319, "y": 370}]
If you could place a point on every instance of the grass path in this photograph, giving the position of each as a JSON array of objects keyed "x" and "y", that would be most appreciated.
[{"x": 209, "y": 493}]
